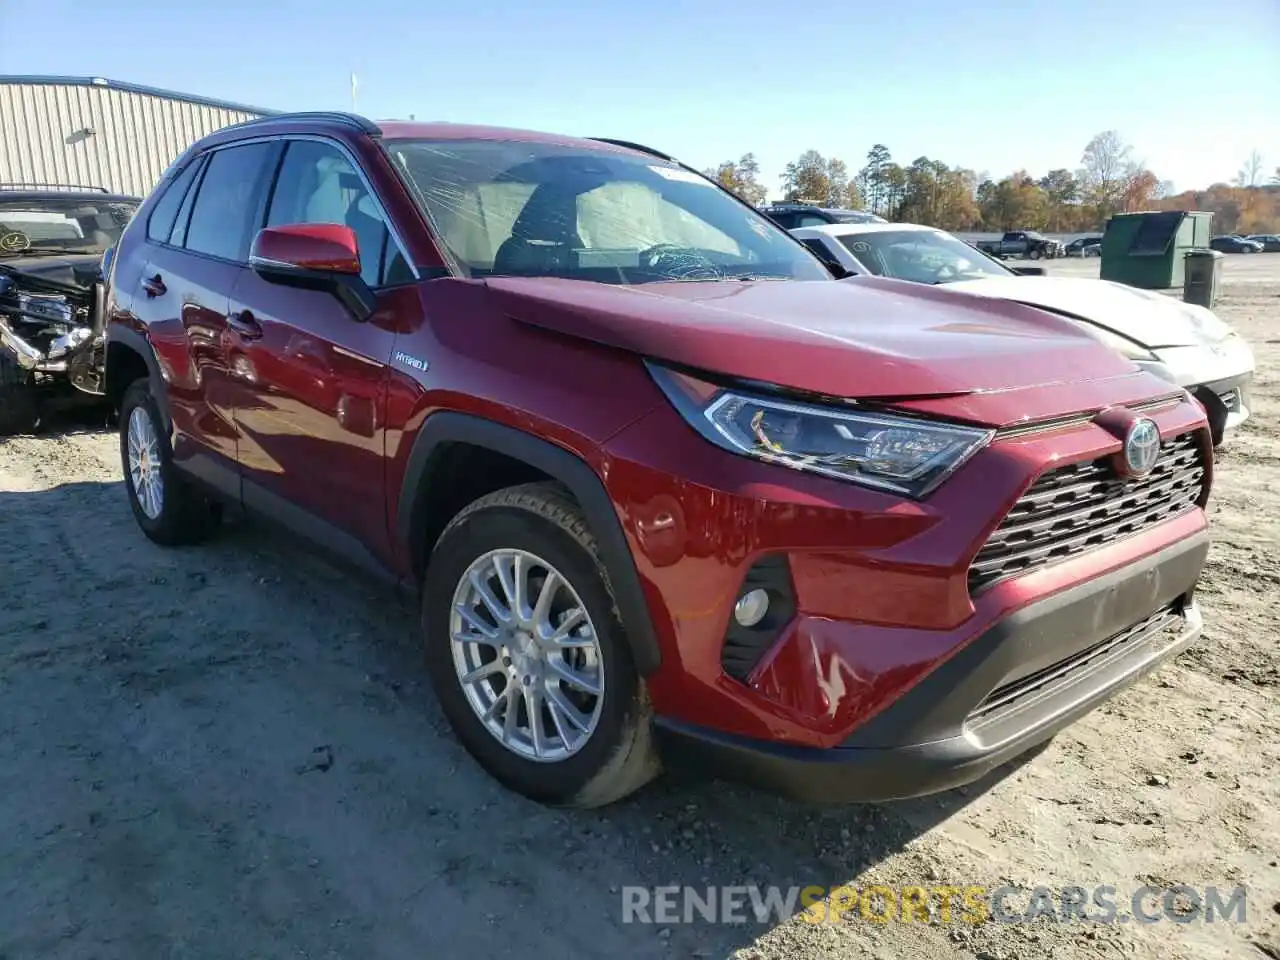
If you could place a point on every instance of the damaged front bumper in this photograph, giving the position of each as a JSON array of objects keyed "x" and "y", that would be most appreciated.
[{"x": 53, "y": 329}]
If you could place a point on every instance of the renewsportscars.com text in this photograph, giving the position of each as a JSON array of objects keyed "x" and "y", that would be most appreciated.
[{"x": 933, "y": 904}]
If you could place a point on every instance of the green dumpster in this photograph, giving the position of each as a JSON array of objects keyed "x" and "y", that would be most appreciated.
[{"x": 1148, "y": 250}]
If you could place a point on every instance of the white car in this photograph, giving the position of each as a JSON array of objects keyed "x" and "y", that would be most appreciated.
[{"x": 1181, "y": 342}]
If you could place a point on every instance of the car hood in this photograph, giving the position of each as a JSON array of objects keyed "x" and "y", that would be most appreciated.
[
  {"x": 1152, "y": 319},
  {"x": 859, "y": 338}
]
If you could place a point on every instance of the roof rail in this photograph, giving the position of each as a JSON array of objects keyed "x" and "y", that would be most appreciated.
[
  {"x": 353, "y": 120},
  {"x": 636, "y": 146},
  {"x": 69, "y": 187}
]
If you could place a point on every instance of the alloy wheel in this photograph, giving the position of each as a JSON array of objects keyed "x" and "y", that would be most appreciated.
[
  {"x": 145, "y": 463},
  {"x": 527, "y": 655}
]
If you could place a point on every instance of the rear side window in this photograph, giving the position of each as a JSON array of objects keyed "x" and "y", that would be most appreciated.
[
  {"x": 227, "y": 202},
  {"x": 178, "y": 235},
  {"x": 166, "y": 209}
]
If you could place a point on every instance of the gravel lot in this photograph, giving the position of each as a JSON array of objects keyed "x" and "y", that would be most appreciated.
[{"x": 231, "y": 751}]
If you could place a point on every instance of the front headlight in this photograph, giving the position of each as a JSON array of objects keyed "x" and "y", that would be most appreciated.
[{"x": 889, "y": 452}]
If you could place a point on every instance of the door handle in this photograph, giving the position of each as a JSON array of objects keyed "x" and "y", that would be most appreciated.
[
  {"x": 244, "y": 324},
  {"x": 154, "y": 286}
]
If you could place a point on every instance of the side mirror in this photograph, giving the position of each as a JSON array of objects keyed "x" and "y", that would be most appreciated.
[
  {"x": 1029, "y": 271},
  {"x": 314, "y": 256}
]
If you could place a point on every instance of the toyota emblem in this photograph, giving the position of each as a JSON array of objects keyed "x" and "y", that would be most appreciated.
[{"x": 1141, "y": 447}]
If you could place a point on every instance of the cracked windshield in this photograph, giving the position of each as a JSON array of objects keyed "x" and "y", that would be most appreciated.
[{"x": 536, "y": 210}]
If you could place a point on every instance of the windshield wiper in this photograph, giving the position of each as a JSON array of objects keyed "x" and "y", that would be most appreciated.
[{"x": 42, "y": 249}]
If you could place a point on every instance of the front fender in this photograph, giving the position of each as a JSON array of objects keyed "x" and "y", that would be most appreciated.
[{"x": 445, "y": 427}]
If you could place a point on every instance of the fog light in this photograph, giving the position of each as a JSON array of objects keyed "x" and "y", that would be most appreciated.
[{"x": 751, "y": 607}]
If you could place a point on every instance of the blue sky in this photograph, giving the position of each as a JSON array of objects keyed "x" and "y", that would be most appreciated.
[{"x": 1194, "y": 86}]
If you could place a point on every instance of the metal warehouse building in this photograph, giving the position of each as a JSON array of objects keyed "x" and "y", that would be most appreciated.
[{"x": 94, "y": 132}]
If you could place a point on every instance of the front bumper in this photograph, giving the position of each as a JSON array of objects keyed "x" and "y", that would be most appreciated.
[
  {"x": 1217, "y": 376},
  {"x": 1226, "y": 404},
  {"x": 1024, "y": 679}
]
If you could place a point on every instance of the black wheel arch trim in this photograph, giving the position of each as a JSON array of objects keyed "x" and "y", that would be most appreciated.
[
  {"x": 137, "y": 343},
  {"x": 556, "y": 462}
]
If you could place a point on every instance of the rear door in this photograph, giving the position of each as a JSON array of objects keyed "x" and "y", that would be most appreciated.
[{"x": 183, "y": 298}]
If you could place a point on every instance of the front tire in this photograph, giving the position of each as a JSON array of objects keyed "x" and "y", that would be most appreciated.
[
  {"x": 169, "y": 509},
  {"x": 528, "y": 656}
]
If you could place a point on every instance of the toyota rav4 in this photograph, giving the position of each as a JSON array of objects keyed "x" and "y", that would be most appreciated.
[{"x": 664, "y": 489}]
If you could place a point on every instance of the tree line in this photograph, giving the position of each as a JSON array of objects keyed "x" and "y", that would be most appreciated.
[{"x": 1107, "y": 181}]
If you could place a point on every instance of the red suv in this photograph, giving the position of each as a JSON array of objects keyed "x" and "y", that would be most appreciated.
[{"x": 664, "y": 487}]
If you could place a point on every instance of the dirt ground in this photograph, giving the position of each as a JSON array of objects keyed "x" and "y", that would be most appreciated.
[{"x": 231, "y": 751}]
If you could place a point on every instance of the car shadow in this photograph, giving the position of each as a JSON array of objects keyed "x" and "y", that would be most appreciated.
[
  {"x": 73, "y": 415},
  {"x": 164, "y": 634}
]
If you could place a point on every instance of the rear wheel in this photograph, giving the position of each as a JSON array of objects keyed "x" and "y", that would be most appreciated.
[
  {"x": 168, "y": 509},
  {"x": 528, "y": 656},
  {"x": 19, "y": 406}
]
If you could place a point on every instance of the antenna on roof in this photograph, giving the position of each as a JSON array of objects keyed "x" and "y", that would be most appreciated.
[{"x": 353, "y": 93}]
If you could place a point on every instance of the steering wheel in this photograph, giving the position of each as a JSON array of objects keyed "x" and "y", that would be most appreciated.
[{"x": 946, "y": 273}]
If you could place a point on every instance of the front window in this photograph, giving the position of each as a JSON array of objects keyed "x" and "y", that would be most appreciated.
[
  {"x": 519, "y": 208},
  {"x": 39, "y": 226},
  {"x": 921, "y": 256}
]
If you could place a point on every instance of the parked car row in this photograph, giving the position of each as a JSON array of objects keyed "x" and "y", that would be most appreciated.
[
  {"x": 1231, "y": 243},
  {"x": 667, "y": 486}
]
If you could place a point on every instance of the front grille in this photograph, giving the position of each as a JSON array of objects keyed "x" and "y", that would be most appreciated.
[
  {"x": 1009, "y": 696},
  {"x": 1077, "y": 508}
]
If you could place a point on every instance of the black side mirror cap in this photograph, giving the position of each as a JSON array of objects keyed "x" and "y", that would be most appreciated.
[{"x": 352, "y": 292}]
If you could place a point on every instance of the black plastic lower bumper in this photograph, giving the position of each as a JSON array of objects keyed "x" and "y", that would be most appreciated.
[
  {"x": 1014, "y": 687},
  {"x": 1222, "y": 399}
]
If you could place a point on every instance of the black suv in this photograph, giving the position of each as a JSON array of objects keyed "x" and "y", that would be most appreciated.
[
  {"x": 53, "y": 239},
  {"x": 792, "y": 215}
]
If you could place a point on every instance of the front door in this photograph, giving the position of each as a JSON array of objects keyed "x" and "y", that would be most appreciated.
[{"x": 310, "y": 402}]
